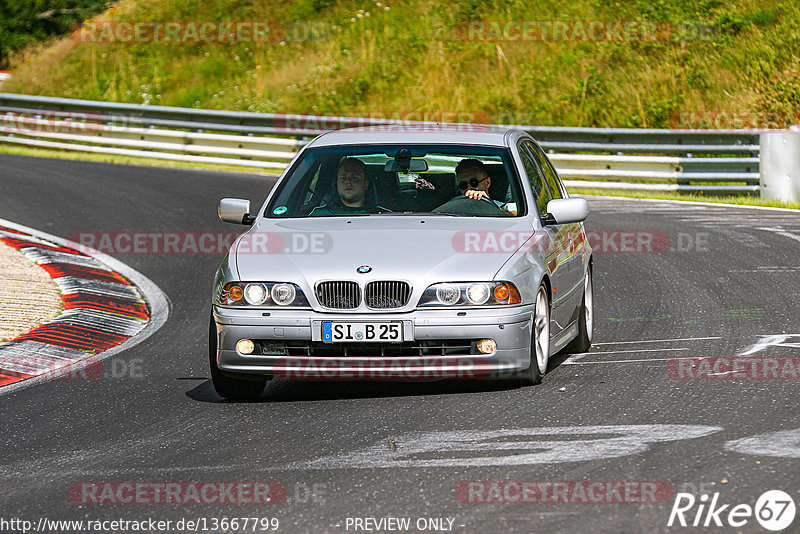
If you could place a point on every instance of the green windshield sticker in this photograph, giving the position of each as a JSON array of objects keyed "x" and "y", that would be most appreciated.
[{"x": 280, "y": 210}]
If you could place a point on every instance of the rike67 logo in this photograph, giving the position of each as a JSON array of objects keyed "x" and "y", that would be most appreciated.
[{"x": 774, "y": 510}]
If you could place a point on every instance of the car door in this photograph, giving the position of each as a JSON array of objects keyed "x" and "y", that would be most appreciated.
[
  {"x": 571, "y": 237},
  {"x": 556, "y": 248}
]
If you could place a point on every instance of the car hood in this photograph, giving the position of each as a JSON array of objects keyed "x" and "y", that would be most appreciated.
[{"x": 421, "y": 250}]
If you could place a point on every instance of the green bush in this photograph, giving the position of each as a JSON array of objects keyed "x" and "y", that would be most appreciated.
[{"x": 23, "y": 22}]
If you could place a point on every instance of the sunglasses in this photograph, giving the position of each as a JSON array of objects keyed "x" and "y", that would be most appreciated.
[{"x": 474, "y": 182}]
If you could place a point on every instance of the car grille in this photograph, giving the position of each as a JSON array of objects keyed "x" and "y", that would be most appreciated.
[
  {"x": 339, "y": 295},
  {"x": 387, "y": 294}
]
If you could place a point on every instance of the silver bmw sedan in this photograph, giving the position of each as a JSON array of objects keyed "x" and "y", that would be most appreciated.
[{"x": 396, "y": 253}]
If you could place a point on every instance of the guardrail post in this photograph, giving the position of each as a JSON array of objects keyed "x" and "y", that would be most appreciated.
[{"x": 780, "y": 166}]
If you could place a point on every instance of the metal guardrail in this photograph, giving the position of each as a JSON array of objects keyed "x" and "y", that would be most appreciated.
[{"x": 611, "y": 158}]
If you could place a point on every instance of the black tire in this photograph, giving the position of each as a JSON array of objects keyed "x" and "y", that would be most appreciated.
[
  {"x": 583, "y": 341},
  {"x": 227, "y": 386},
  {"x": 536, "y": 371}
]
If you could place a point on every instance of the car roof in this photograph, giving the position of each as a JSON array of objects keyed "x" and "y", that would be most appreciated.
[{"x": 430, "y": 133}]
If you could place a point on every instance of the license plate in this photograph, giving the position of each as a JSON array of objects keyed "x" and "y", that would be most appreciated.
[{"x": 336, "y": 332}]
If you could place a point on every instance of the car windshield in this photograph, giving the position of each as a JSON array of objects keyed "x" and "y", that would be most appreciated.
[{"x": 386, "y": 180}]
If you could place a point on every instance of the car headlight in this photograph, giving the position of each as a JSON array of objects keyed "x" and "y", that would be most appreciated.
[
  {"x": 283, "y": 294},
  {"x": 448, "y": 294},
  {"x": 471, "y": 294},
  {"x": 478, "y": 294},
  {"x": 261, "y": 294},
  {"x": 255, "y": 294}
]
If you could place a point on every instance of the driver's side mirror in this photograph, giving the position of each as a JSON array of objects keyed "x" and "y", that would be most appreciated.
[
  {"x": 235, "y": 210},
  {"x": 566, "y": 210}
]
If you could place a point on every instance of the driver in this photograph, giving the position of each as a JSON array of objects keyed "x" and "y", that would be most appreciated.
[
  {"x": 473, "y": 180},
  {"x": 351, "y": 185}
]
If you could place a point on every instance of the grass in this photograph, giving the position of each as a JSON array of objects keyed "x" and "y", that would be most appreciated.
[
  {"x": 714, "y": 63},
  {"x": 738, "y": 200}
]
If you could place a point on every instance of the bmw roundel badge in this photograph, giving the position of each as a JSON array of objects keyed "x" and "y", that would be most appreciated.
[{"x": 364, "y": 269}]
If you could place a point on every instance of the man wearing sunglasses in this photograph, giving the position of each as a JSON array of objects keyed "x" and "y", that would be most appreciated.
[{"x": 473, "y": 181}]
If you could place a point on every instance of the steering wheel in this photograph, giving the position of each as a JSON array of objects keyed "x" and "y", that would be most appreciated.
[{"x": 463, "y": 205}]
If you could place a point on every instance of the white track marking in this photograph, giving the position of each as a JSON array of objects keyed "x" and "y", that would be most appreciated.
[
  {"x": 522, "y": 446},
  {"x": 764, "y": 342},
  {"x": 581, "y": 355},
  {"x": 655, "y": 340},
  {"x": 626, "y": 361},
  {"x": 783, "y": 444},
  {"x": 155, "y": 297},
  {"x": 781, "y": 231}
]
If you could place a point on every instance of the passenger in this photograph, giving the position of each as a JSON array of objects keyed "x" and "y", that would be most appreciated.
[
  {"x": 352, "y": 186},
  {"x": 473, "y": 180}
]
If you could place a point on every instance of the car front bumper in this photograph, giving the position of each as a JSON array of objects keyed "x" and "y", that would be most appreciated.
[{"x": 437, "y": 344}]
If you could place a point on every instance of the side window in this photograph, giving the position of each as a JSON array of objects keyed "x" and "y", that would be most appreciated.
[
  {"x": 549, "y": 173},
  {"x": 540, "y": 192}
]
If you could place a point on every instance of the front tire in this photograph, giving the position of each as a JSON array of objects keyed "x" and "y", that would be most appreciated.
[
  {"x": 540, "y": 339},
  {"x": 226, "y": 386},
  {"x": 583, "y": 341}
]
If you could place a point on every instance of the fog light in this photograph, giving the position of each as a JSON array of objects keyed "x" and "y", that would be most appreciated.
[
  {"x": 245, "y": 346},
  {"x": 487, "y": 346}
]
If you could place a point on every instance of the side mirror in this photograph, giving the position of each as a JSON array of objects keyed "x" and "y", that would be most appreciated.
[
  {"x": 566, "y": 210},
  {"x": 235, "y": 210}
]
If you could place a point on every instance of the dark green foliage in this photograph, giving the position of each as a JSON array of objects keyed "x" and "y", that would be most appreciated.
[{"x": 26, "y": 21}]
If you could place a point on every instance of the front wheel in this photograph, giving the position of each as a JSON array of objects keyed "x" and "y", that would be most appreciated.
[
  {"x": 226, "y": 386},
  {"x": 540, "y": 339},
  {"x": 585, "y": 319}
]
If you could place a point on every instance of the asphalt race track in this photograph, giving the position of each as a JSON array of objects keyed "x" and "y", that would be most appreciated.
[{"x": 726, "y": 285}]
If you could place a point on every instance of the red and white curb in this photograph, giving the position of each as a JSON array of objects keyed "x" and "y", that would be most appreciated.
[{"x": 108, "y": 307}]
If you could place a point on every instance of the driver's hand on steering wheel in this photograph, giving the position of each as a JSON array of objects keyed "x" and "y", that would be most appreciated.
[{"x": 477, "y": 195}]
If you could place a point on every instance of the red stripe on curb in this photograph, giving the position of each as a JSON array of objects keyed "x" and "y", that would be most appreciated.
[
  {"x": 116, "y": 305},
  {"x": 18, "y": 243},
  {"x": 11, "y": 378},
  {"x": 73, "y": 337},
  {"x": 11, "y": 231},
  {"x": 57, "y": 270},
  {"x": 64, "y": 334}
]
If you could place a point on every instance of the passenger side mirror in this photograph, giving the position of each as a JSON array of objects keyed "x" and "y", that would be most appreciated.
[
  {"x": 235, "y": 210},
  {"x": 566, "y": 210}
]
